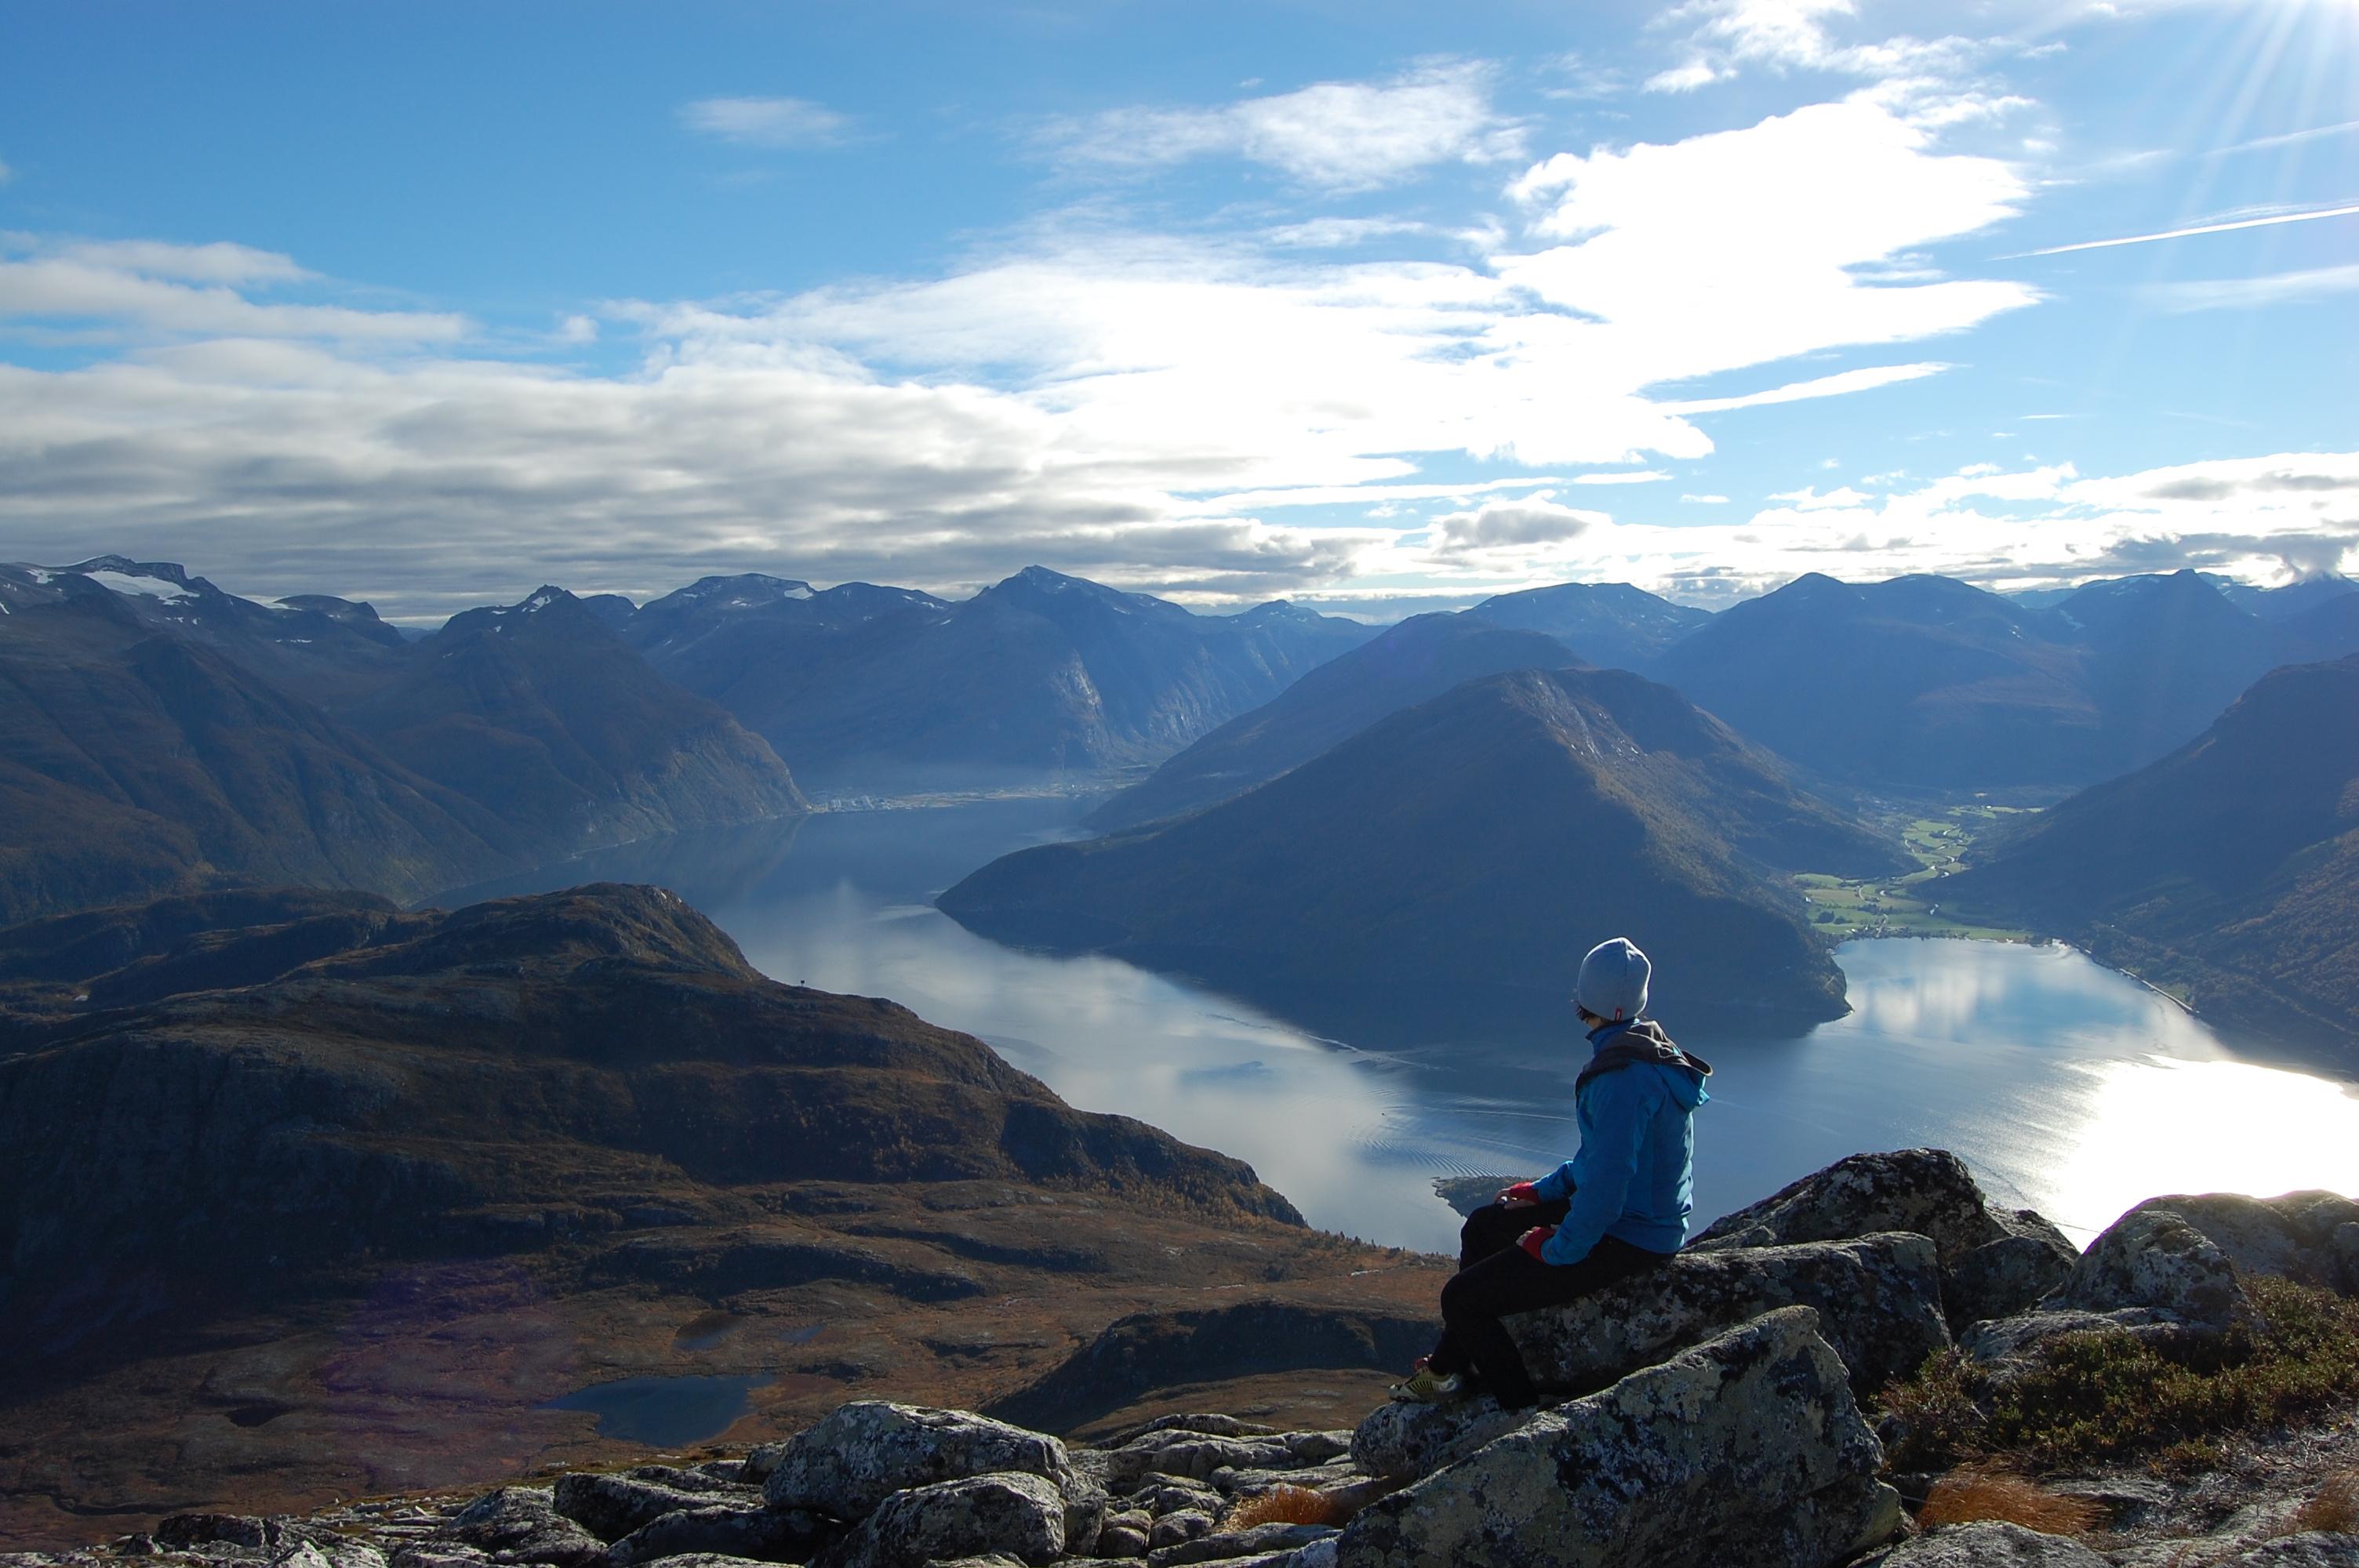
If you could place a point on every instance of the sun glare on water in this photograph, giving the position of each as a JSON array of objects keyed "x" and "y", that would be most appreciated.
[{"x": 2160, "y": 1125}]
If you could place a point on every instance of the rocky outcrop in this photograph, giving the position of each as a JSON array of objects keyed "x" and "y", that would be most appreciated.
[
  {"x": 1878, "y": 1300},
  {"x": 766, "y": 1535},
  {"x": 1015, "y": 1513},
  {"x": 612, "y": 1507},
  {"x": 2154, "y": 1259},
  {"x": 1747, "y": 1449},
  {"x": 853, "y": 1460},
  {"x": 521, "y": 1524},
  {"x": 1994, "y": 1262}
]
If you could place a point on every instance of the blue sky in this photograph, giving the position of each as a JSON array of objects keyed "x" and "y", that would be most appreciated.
[{"x": 1357, "y": 304}]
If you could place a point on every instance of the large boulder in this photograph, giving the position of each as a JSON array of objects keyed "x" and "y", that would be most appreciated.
[
  {"x": 2291, "y": 1236},
  {"x": 1929, "y": 1191},
  {"x": 2154, "y": 1259},
  {"x": 610, "y": 1507},
  {"x": 766, "y": 1535},
  {"x": 521, "y": 1524},
  {"x": 858, "y": 1455},
  {"x": 1407, "y": 1439},
  {"x": 1748, "y": 1452},
  {"x": 1878, "y": 1300},
  {"x": 1987, "y": 1545},
  {"x": 1016, "y": 1514}
]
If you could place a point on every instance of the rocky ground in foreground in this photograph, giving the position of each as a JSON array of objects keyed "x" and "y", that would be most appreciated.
[{"x": 1762, "y": 1400}]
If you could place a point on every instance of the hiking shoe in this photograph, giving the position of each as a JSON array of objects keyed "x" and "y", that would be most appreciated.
[{"x": 1427, "y": 1387}]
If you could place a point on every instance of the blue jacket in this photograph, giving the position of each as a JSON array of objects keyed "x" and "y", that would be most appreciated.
[{"x": 1633, "y": 1177}]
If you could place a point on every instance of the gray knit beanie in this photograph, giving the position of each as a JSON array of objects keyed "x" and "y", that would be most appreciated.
[{"x": 1613, "y": 982}]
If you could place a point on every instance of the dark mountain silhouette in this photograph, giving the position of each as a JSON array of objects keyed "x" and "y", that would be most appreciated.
[
  {"x": 1041, "y": 674},
  {"x": 1609, "y": 623},
  {"x": 135, "y": 760},
  {"x": 1931, "y": 683},
  {"x": 1473, "y": 847},
  {"x": 1918, "y": 680},
  {"x": 547, "y": 718},
  {"x": 2230, "y": 867},
  {"x": 1405, "y": 664}
]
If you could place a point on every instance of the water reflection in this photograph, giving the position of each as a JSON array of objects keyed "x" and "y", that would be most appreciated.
[{"x": 2069, "y": 1088}]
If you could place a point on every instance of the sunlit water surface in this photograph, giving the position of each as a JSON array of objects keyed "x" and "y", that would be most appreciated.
[{"x": 2068, "y": 1087}]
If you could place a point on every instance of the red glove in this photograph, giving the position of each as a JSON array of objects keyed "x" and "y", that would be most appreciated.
[
  {"x": 1524, "y": 1191},
  {"x": 1535, "y": 1239}
]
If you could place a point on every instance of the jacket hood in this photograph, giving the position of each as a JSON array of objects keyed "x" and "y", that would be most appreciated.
[{"x": 1643, "y": 1044}]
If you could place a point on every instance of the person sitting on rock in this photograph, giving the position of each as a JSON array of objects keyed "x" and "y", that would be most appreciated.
[{"x": 1618, "y": 1205}]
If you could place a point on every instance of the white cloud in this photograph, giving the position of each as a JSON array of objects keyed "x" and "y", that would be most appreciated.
[
  {"x": 1640, "y": 476},
  {"x": 767, "y": 122},
  {"x": 1745, "y": 247},
  {"x": 1808, "y": 498},
  {"x": 184, "y": 289},
  {"x": 1706, "y": 499},
  {"x": 1334, "y": 136},
  {"x": 2288, "y": 138},
  {"x": 1685, "y": 78},
  {"x": 1512, "y": 525},
  {"x": 2252, "y": 293},
  {"x": 1794, "y": 35},
  {"x": 1836, "y": 385}
]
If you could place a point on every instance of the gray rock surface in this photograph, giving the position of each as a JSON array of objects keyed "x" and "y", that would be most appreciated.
[
  {"x": 1014, "y": 1513},
  {"x": 767, "y": 1535},
  {"x": 2291, "y": 1236},
  {"x": 2313, "y": 1549},
  {"x": 1407, "y": 1442},
  {"x": 706, "y": 1560},
  {"x": 521, "y": 1524},
  {"x": 2002, "y": 1278},
  {"x": 858, "y": 1455},
  {"x": 1878, "y": 1300},
  {"x": 1743, "y": 1452},
  {"x": 1987, "y": 1545},
  {"x": 1195, "y": 1455},
  {"x": 2012, "y": 1342},
  {"x": 1929, "y": 1191},
  {"x": 2154, "y": 1259},
  {"x": 1229, "y": 1544},
  {"x": 1176, "y": 1527},
  {"x": 610, "y": 1507}
]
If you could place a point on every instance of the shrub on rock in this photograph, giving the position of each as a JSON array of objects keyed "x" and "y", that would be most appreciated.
[{"x": 1748, "y": 1452}]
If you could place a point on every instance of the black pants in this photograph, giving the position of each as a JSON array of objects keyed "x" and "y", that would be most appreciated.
[{"x": 1497, "y": 1279}]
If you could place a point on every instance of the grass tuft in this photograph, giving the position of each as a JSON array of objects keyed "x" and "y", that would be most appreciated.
[
  {"x": 1970, "y": 1496},
  {"x": 2105, "y": 1394},
  {"x": 1287, "y": 1505},
  {"x": 2334, "y": 1508}
]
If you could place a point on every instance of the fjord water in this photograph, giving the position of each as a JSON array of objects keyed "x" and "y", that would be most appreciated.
[{"x": 2068, "y": 1087}]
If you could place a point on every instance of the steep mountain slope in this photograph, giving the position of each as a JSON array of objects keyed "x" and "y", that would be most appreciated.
[
  {"x": 316, "y": 646},
  {"x": 1474, "y": 845},
  {"x": 548, "y": 719},
  {"x": 1041, "y": 674},
  {"x": 1932, "y": 683},
  {"x": 1405, "y": 664},
  {"x": 412, "y": 1191},
  {"x": 134, "y": 761},
  {"x": 1609, "y": 624},
  {"x": 2230, "y": 867}
]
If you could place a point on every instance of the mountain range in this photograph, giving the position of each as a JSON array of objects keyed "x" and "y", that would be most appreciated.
[
  {"x": 162, "y": 736},
  {"x": 2228, "y": 870},
  {"x": 888, "y": 689},
  {"x": 1469, "y": 849},
  {"x": 1934, "y": 683}
]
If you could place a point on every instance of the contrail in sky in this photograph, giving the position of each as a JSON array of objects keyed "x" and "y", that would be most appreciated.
[{"x": 2199, "y": 229}]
